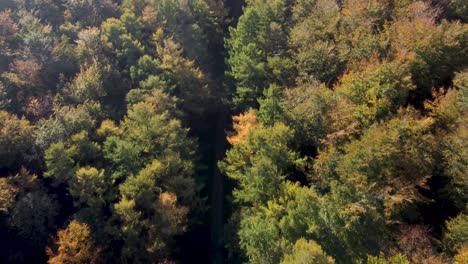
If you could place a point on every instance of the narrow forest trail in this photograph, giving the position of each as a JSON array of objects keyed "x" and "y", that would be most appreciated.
[
  {"x": 217, "y": 189},
  {"x": 217, "y": 178}
]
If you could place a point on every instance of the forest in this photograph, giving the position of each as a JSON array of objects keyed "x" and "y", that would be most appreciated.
[{"x": 231, "y": 131}]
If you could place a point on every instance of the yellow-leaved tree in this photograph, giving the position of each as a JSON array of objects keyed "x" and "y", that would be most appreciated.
[{"x": 74, "y": 244}]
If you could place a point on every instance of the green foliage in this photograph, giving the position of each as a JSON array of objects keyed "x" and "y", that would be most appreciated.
[
  {"x": 152, "y": 157},
  {"x": 260, "y": 36},
  {"x": 313, "y": 40},
  {"x": 89, "y": 44},
  {"x": 455, "y": 164},
  {"x": 270, "y": 109},
  {"x": 117, "y": 38},
  {"x": 449, "y": 110},
  {"x": 189, "y": 82},
  {"x": 352, "y": 223},
  {"x": 89, "y": 187},
  {"x": 161, "y": 102},
  {"x": 349, "y": 130},
  {"x": 261, "y": 163},
  {"x": 155, "y": 132},
  {"x": 461, "y": 81},
  {"x": 377, "y": 91},
  {"x": 89, "y": 83},
  {"x": 274, "y": 213},
  {"x": 4, "y": 101},
  {"x": 456, "y": 235},
  {"x": 63, "y": 159},
  {"x": 381, "y": 259},
  {"x": 440, "y": 55},
  {"x": 66, "y": 121},
  {"x": 145, "y": 67},
  {"x": 260, "y": 239},
  {"x": 88, "y": 13},
  {"x": 305, "y": 109},
  {"x": 307, "y": 252},
  {"x": 60, "y": 162},
  {"x": 393, "y": 159},
  {"x": 36, "y": 36},
  {"x": 132, "y": 24},
  {"x": 266, "y": 233},
  {"x": 197, "y": 25},
  {"x": 15, "y": 141},
  {"x": 124, "y": 156},
  {"x": 139, "y": 212}
]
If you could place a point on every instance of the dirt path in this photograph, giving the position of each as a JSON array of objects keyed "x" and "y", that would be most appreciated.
[
  {"x": 217, "y": 184},
  {"x": 217, "y": 191}
]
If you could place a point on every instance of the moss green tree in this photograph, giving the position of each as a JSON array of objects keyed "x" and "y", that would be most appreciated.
[
  {"x": 307, "y": 252},
  {"x": 15, "y": 141},
  {"x": 259, "y": 37}
]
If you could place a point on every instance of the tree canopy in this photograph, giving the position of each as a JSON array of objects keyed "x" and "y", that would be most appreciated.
[{"x": 212, "y": 131}]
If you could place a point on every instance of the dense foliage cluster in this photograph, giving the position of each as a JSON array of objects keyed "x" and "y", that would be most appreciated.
[
  {"x": 348, "y": 141},
  {"x": 351, "y": 142},
  {"x": 101, "y": 103}
]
